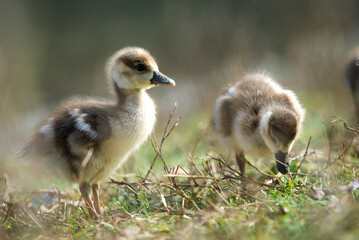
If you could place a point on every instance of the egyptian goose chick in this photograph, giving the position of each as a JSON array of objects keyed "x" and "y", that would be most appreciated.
[
  {"x": 86, "y": 139},
  {"x": 258, "y": 117},
  {"x": 352, "y": 75}
]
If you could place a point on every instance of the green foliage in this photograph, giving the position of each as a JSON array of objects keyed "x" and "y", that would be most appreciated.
[{"x": 215, "y": 207}]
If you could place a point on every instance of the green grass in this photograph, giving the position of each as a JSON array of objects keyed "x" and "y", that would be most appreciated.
[{"x": 215, "y": 208}]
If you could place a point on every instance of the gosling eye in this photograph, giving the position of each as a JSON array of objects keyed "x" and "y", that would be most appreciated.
[{"x": 140, "y": 67}]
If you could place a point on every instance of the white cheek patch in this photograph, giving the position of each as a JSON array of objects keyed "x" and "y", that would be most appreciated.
[
  {"x": 291, "y": 146},
  {"x": 120, "y": 80},
  {"x": 80, "y": 123},
  {"x": 263, "y": 127},
  {"x": 47, "y": 129}
]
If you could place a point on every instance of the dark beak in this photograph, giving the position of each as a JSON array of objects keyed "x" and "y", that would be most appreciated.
[
  {"x": 282, "y": 164},
  {"x": 159, "y": 78}
]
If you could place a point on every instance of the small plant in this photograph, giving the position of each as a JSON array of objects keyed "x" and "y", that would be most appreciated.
[{"x": 206, "y": 197}]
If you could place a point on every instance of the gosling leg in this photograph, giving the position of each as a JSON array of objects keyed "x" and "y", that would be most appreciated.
[
  {"x": 85, "y": 190},
  {"x": 241, "y": 162},
  {"x": 95, "y": 196}
]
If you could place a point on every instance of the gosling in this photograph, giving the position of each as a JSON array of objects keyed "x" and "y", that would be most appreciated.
[
  {"x": 86, "y": 139},
  {"x": 352, "y": 76},
  {"x": 257, "y": 117}
]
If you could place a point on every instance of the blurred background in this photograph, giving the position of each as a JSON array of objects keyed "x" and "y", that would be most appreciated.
[{"x": 51, "y": 50}]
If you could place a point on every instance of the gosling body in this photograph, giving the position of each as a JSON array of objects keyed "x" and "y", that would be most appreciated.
[
  {"x": 352, "y": 76},
  {"x": 84, "y": 140},
  {"x": 257, "y": 117}
]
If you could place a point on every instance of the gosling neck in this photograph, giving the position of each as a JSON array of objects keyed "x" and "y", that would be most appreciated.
[{"x": 124, "y": 94}]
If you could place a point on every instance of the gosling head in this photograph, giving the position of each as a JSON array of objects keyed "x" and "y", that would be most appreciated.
[
  {"x": 135, "y": 68},
  {"x": 279, "y": 128}
]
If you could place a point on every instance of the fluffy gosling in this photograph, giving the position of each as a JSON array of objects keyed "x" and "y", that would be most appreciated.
[
  {"x": 258, "y": 117},
  {"x": 86, "y": 139},
  {"x": 352, "y": 76}
]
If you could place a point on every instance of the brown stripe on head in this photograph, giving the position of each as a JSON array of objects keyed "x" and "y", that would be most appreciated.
[
  {"x": 130, "y": 57},
  {"x": 133, "y": 56}
]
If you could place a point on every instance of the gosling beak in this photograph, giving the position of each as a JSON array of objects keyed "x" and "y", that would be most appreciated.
[
  {"x": 159, "y": 78},
  {"x": 282, "y": 164}
]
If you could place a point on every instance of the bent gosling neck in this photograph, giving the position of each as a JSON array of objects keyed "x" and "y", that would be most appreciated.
[{"x": 278, "y": 128}]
